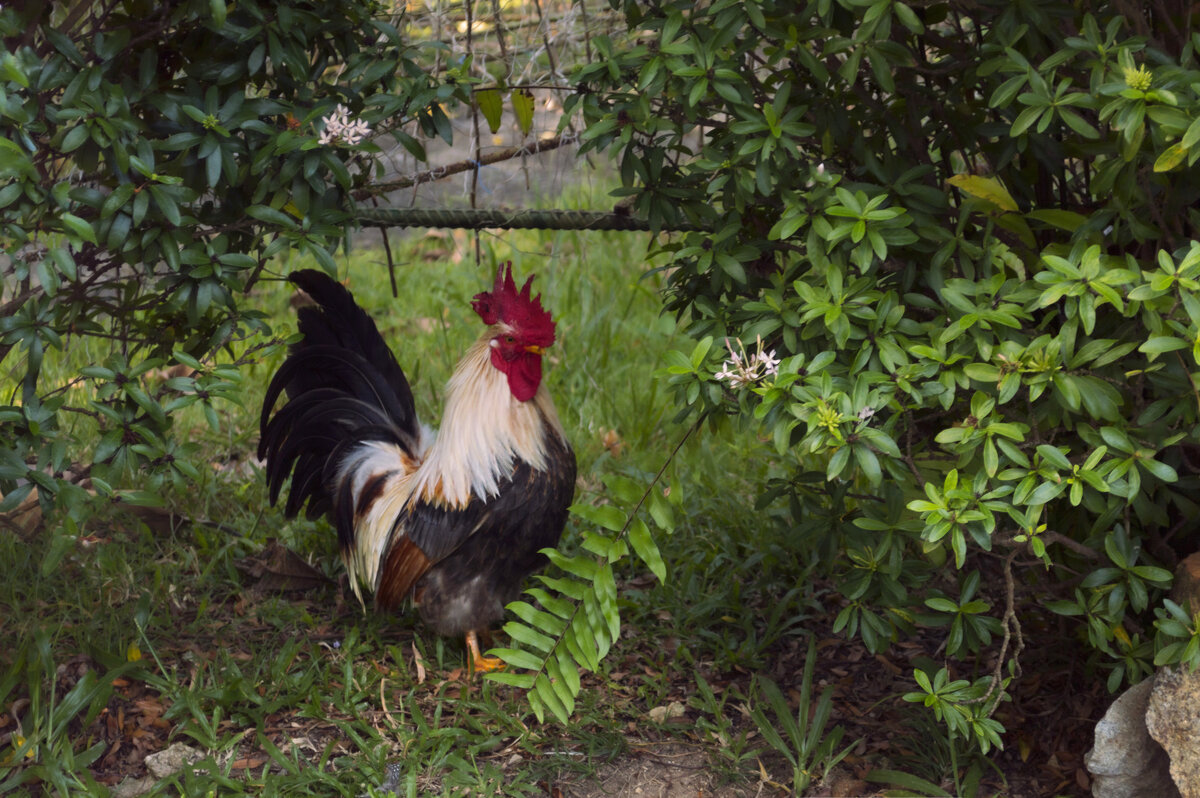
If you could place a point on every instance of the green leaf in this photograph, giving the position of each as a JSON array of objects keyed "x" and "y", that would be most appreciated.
[
  {"x": 985, "y": 188},
  {"x": 491, "y": 103},
  {"x": 1153, "y": 574},
  {"x": 1117, "y": 439},
  {"x": 908, "y": 18},
  {"x": 1064, "y": 220},
  {"x": 984, "y": 372},
  {"x": 528, "y": 637},
  {"x": 1052, "y": 455},
  {"x": 522, "y": 681},
  {"x": 166, "y": 204},
  {"x": 661, "y": 512},
  {"x": 625, "y": 490},
  {"x": 991, "y": 458},
  {"x": 1045, "y": 492},
  {"x": 10, "y": 193},
  {"x": 1068, "y": 387},
  {"x": 75, "y": 138},
  {"x": 868, "y": 463},
  {"x": 607, "y": 516},
  {"x": 522, "y": 100},
  {"x": 518, "y": 658},
  {"x": 1159, "y": 469},
  {"x": 1078, "y": 123},
  {"x": 838, "y": 462},
  {"x": 581, "y": 643},
  {"x": 271, "y": 216},
  {"x": 907, "y": 782},
  {"x": 568, "y": 671},
  {"x": 550, "y": 699},
  {"x": 1068, "y": 608},
  {"x": 560, "y": 607},
  {"x": 606, "y": 593},
  {"x": 644, "y": 546},
  {"x": 941, "y": 604},
  {"x": 1170, "y": 158},
  {"x": 541, "y": 621},
  {"x": 582, "y": 567},
  {"x": 677, "y": 362},
  {"x": 13, "y": 160},
  {"x": 10, "y": 69},
  {"x": 79, "y": 227},
  {"x": 1192, "y": 135},
  {"x": 1158, "y": 344},
  {"x": 561, "y": 685}
]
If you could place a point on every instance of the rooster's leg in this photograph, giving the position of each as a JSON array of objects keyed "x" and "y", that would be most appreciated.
[{"x": 476, "y": 662}]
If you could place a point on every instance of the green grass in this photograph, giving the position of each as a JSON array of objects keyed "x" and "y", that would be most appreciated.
[{"x": 155, "y": 634}]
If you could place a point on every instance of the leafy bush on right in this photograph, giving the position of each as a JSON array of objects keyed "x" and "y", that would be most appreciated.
[{"x": 951, "y": 272}]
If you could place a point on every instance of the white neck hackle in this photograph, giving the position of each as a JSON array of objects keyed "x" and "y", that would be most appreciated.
[{"x": 484, "y": 430}]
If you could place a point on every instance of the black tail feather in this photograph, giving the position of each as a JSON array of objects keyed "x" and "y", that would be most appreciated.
[
  {"x": 341, "y": 323},
  {"x": 316, "y": 370},
  {"x": 344, "y": 387}
]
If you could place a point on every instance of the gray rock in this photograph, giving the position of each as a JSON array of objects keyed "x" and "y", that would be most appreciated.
[
  {"x": 1125, "y": 762},
  {"x": 1173, "y": 720},
  {"x": 173, "y": 759},
  {"x": 132, "y": 788}
]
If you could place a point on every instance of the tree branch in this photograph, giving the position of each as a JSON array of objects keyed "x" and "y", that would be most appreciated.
[{"x": 431, "y": 175}]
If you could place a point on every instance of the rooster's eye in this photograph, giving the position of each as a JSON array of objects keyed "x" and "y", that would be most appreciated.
[{"x": 508, "y": 339}]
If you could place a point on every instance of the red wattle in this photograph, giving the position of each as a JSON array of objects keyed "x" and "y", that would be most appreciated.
[{"x": 524, "y": 373}]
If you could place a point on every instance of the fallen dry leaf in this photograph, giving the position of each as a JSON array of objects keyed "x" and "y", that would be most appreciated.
[
  {"x": 419, "y": 661},
  {"x": 278, "y": 568},
  {"x": 612, "y": 442}
]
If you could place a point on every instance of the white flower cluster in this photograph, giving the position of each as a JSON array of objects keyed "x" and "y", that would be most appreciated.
[
  {"x": 339, "y": 127},
  {"x": 744, "y": 369}
]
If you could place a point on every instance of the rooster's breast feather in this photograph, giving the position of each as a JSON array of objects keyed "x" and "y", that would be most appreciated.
[{"x": 463, "y": 562}]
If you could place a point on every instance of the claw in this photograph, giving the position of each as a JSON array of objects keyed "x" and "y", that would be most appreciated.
[{"x": 476, "y": 662}]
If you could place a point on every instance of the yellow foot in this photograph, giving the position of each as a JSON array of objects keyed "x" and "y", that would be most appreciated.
[
  {"x": 487, "y": 664},
  {"x": 476, "y": 662}
]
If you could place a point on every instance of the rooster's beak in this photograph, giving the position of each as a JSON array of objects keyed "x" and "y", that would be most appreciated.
[{"x": 534, "y": 349}]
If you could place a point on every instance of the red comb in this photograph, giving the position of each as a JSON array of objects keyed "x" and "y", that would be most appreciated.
[{"x": 524, "y": 313}]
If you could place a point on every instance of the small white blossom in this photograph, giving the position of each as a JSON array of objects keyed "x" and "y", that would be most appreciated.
[
  {"x": 866, "y": 413},
  {"x": 340, "y": 128},
  {"x": 743, "y": 369},
  {"x": 768, "y": 361}
]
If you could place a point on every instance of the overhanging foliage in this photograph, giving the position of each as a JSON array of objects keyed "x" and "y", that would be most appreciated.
[
  {"x": 157, "y": 156},
  {"x": 968, "y": 231}
]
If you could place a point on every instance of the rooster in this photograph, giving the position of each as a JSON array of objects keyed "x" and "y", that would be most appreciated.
[{"x": 453, "y": 520}]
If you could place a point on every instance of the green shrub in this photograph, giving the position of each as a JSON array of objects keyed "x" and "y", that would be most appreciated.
[
  {"x": 952, "y": 273},
  {"x": 156, "y": 157}
]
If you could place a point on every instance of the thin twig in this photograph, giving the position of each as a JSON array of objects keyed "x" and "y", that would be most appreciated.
[
  {"x": 499, "y": 29},
  {"x": 387, "y": 249},
  {"x": 431, "y": 175},
  {"x": 468, "y": 4},
  {"x": 545, "y": 30},
  {"x": 1012, "y": 628},
  {"x": 587, "y": 32}
]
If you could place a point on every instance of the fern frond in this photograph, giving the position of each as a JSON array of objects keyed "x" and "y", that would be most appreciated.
[{"x": 571, "y": 622}]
